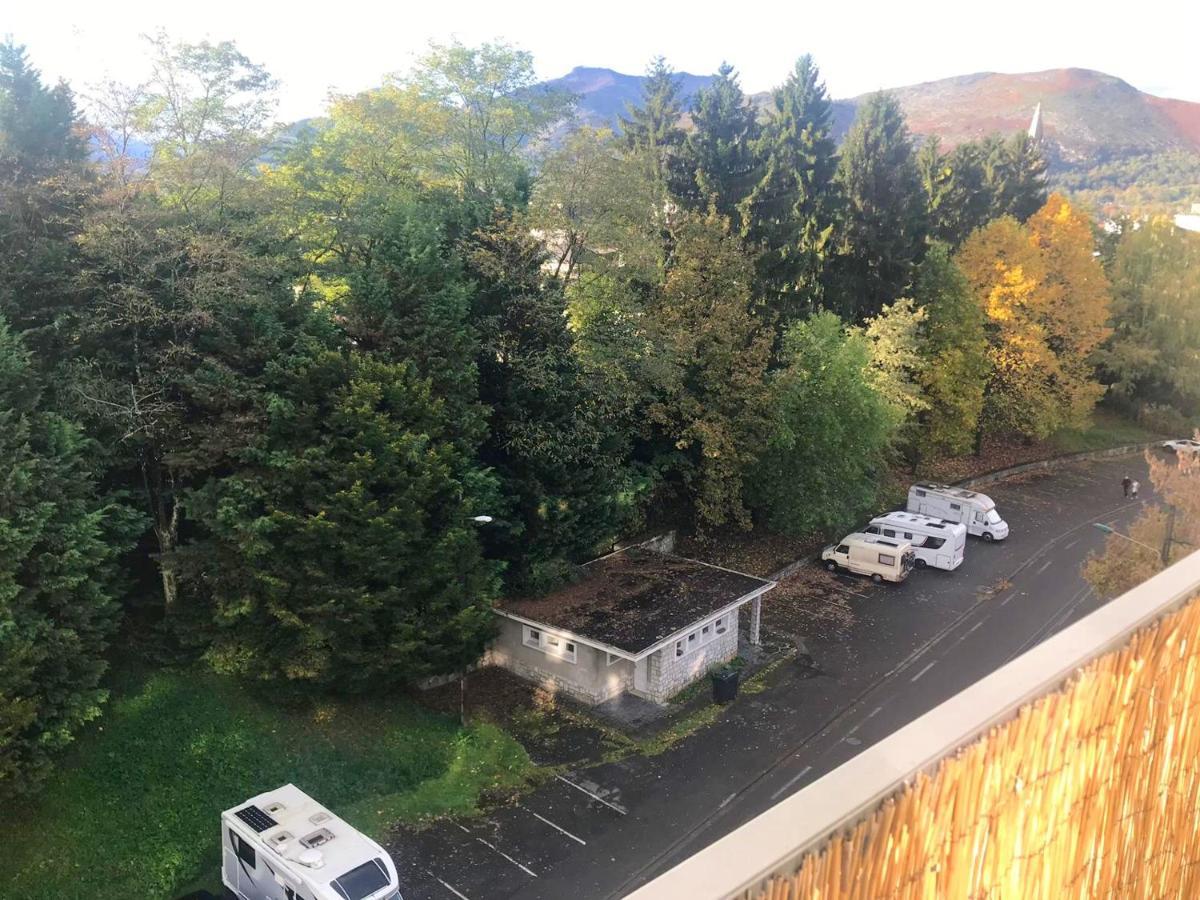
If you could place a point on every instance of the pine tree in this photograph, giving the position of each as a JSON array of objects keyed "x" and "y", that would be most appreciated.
[
  {"x": 957, "y": 198},
  {"x": 1015, "y": 176},
  {"x": 788, "y": 216},
  {"x": 882, "y": 232},
  {"x": 653, "y": 127},
  {"x": 59, "y": 540},
  {"x": 719, "y": 162}
]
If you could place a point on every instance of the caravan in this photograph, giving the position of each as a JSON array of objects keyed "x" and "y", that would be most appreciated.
[
  {"x": 935, "y": 543},
  {"x": 283, "y": 845},
  {"x": 865, "y": 554},
  {"x": 952, "y": 504}
]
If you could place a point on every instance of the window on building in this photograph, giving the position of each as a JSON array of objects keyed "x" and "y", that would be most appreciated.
[
  {"x": 550, "y": 645},
  {"x": 720, "y": 625},
  {"x": 533, "y": 638},
  {"x": 678, "y": 649}
]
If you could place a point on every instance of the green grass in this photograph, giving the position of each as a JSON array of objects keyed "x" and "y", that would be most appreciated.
[
  {"x": 134, "y": 809},
  {"x": 1107, "y": 430}
]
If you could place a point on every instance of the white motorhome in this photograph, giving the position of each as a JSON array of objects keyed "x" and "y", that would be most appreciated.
[
  {"x": 952, "y": 504},
  {"x": 283, "y": 845},
  {"x": 934, "y": 542},
  {"x": 864, "y": 554}
]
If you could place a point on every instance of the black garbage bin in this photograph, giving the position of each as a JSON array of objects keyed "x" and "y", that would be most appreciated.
[{"x": 725, "y": 685}]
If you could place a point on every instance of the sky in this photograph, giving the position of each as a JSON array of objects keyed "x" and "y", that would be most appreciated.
[{"x": 315, "y": 46}]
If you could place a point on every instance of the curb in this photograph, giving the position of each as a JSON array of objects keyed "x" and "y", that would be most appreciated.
[
  {"x": 1053, "y": 462},
  {"x": 1041, "y": 465}
]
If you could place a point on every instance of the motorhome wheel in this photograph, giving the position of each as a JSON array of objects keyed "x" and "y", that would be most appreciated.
[
  {"x": 877, "y": 578},
  {"x": 831, "y": 566},
  {"x": 921, "y": 564},
  {"x": 987, "y": 536}
]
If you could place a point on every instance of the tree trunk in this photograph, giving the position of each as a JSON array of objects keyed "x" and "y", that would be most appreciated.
[{"x": 160, "y": 486}]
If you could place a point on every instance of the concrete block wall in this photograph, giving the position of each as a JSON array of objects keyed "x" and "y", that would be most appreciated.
[
  {"x": 669, "y": 674},
  {"x": 590, "y": 679}
]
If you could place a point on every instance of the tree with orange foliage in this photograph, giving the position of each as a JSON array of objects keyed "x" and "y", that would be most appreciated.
[
  {"x": 1168, "y": 531},
  {"x": 1045, "y": 301}
]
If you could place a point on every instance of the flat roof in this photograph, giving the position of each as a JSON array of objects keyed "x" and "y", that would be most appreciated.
[{"x": 633, "y": 599}]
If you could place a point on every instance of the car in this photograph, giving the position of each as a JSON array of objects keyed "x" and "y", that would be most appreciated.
[{"x": 1182, "y": 445}]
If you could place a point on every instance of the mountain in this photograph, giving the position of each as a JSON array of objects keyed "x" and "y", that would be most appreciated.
[{"x": 1107, "y": 142}]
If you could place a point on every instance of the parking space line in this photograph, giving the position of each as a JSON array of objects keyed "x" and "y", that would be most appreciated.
[
  {"x": 792, "y": 781},
  {"x": 612, "y": 806},
  {"x": 577, "y": 840},
  {"x": 496, "y": 849},
  {"x": 924, "y": 670},
  {"x": 1046, "y": 565},
  {"x": 448, "y": 887}
]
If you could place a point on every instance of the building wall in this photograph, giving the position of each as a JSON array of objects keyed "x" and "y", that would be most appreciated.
[
  {"x": 590, "y": 679},
  {"x": 668, "y": 674}
]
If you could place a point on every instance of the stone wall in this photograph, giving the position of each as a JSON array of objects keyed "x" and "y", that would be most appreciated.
[
  {"x": 590, "y": 679},
  {"x": 669, "y": 674}
]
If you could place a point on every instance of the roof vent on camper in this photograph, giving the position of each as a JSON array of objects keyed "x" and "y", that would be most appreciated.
[
  {"x": 318, "y": 838},
  {"x": 278, "y": 840},
  {"x": 320, "y": 818},
  {"x": 310, "y": 859},
  {"x": 274, "y": 808}
]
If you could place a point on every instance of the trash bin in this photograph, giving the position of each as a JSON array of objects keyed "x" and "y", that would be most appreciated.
[{"x": 725, "y": 685}]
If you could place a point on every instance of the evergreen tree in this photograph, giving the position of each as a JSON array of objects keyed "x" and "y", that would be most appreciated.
[
  {"x": 342, "y": 551},
  {"x": 788, "y": 216},
  {"x": 43, "y": 186},
  {"x": 653, "y": 127},
  {"x": 882, "y": 232},
  {"x": 1015, "y": 176},
  {"x": 957, "y": 198},
  {"x": 719, "y": 162},
  {"x": 59, "y": 540},
  {"x": 557, "y": 439}
]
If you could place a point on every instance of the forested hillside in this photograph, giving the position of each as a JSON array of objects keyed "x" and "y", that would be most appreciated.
[
  {"x": 1112, "y": 146},
  {"x": 299, "y": 411}
]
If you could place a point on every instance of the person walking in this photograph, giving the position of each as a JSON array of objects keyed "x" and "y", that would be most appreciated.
[
  {"x": 1126, "y": 484},
  {"x": 1133, "y": 489}
]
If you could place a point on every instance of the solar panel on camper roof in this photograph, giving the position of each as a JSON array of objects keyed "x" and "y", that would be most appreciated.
[{"x": 256, "y": 818}]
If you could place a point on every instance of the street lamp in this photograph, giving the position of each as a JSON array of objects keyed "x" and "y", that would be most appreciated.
[
  {"x": 1108, "y": 529},
  {"x": 462, "y": 676}
]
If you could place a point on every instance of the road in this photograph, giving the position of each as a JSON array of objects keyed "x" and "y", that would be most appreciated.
[{"x": 601, "y": 832}]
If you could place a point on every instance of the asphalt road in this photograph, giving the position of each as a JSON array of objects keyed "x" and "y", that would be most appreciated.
[{"x": 601, "y": 832}]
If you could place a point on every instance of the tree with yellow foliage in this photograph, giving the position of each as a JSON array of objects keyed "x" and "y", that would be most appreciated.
[
  {"x": 1161, "y": 535},
  {"x": 1045, "y": 300}
]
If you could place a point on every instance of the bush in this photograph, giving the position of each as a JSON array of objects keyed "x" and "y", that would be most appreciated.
[{"x": 1164, "y": 419}]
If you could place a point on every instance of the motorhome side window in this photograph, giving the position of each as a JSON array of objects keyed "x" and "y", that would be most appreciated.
[
  {"x": 874, "y": 529},
  {"x": 889, "y": 532},
  {"x": 920, "y": 493},
  {"x": 243, "y": 850},
  {"x": 934, "y": 543},
  {"x": 956, "y": 506},
  {"x": 886, "y": 559}
]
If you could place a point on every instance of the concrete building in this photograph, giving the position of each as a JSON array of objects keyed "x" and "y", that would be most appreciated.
[
  {"x": 1189, "y": 221},
  {"x": 638, "y": 620}
]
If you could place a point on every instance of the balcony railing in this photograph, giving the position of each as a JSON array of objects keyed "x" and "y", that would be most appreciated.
[{"x": 1144, "y": 713}]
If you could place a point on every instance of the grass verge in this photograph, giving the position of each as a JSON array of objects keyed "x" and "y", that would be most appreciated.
[
  {"x": 134, "y": 808},
  {"x": 1107, "y": 430}
]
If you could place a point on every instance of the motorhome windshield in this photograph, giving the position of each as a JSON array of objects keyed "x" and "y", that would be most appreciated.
[
  {"x": 993, "y": 517},
  {"x": 363, "y": 881}
]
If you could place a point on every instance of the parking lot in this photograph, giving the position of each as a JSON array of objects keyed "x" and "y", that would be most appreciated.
[{"x": 899, "y": 651}]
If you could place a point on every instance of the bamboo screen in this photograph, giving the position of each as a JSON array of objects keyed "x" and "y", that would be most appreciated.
[{"x": 1089, "y": 792}]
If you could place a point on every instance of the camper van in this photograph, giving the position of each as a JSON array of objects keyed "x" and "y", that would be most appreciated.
[
  {"x": 283, "y": 845},
  {"x": 952, "y": 504},
  {"x": 868, "y": 554},
  {"x": 934, "y": 542}
]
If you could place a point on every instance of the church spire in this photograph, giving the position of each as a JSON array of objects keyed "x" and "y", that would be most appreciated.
[{"x": 1035, "y": 124}]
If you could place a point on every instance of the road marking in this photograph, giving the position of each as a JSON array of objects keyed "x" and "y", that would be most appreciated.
[
  {"x": 854, "y": 729},
  {"x": 496, "y": 849},
  {"x": 876, "y": 711},
  {"x": 725, "y": 802},
  {"x": 1047, "y": 564},
  {"x": 577, "y": 840},
  {"x": 448, "y": 887},
  {"x": 792, "y": 781},
  {"x": 613, "y": 806},
  {"x": 974, "y": 627},
  {"x": 1072, "y": 544},
  {"x": 1004, "y": 602},
  {"x": 924, "y": 670}
]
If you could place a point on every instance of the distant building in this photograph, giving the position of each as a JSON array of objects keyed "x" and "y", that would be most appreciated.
[
  {"x": 1189, "y": 221},
  {"x": 1035, "y": 124}
]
